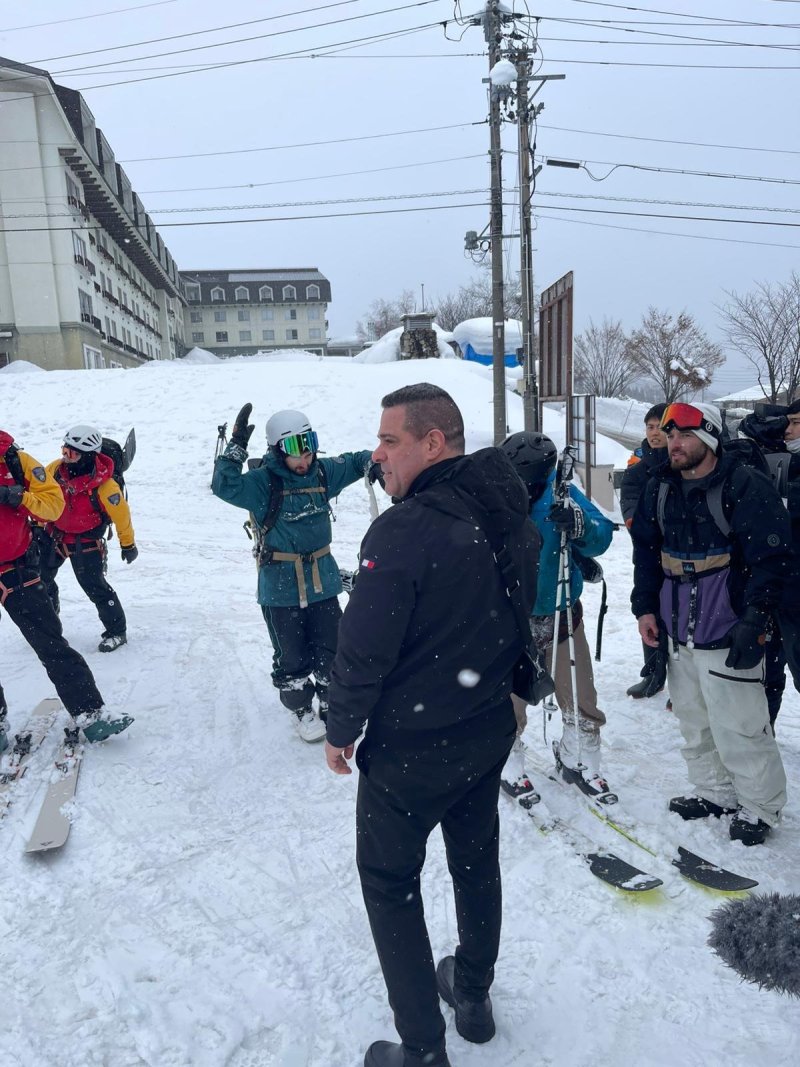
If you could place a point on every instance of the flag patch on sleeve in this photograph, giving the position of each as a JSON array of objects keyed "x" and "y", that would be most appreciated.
[{"x": 368, "y": 564}]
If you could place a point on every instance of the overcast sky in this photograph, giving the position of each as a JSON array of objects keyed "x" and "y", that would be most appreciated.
[{"x": 233, "y": 133}]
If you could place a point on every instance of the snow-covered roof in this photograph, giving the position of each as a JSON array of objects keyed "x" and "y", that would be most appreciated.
[
  {"x": 478, "y": 333},
  {"x": 755, "y": 392}
]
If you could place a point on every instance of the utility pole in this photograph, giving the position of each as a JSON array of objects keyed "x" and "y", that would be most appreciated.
[
  {"x": 530, "y": 394},
  {"x": 491, "y": 29}
]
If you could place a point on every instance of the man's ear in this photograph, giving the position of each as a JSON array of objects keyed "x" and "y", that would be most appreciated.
[{"x": 436, "y": 444}]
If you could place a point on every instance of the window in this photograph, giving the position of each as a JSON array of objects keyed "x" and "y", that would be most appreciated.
[
  {"x": 220, "y": 316},
  {"x": 291, "y": 335},
  {"x": 242, "y": 292},
  {"x": 312, "y": 292},
  {"x": 289, "y": 292},
  {"x": 267, "y": 314},
  {"x": 79, "y": 248},
  {"x": 267, "y": 335},
  {"x": 217, "y": 295},
  {"x": 315, "y": 334},
  {"x": 198, "y": 338},
  {"x": 73, "y": 192},
  {"x": 265, "y": 292},
  {"x": 92, "y": 358},
  {"x": 290, "y": 314},
  {"x": 85, "y": 302},
  {"x": 313, "y": 313},
  {"x": 222, "y": 336},
  {"x": 244, "y": 316},
  {"x": 193, "y": 292},
  {"x": 197, "y": 316},
  {"x": 245, "y": 335}
]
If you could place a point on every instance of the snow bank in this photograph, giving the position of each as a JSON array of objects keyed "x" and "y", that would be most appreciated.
[
  {"x": 387, "y": 348},
  {"x": 478, "y": 333},
  {"x": 200, "y": 355},
  {"x": 21, "y": 366}
]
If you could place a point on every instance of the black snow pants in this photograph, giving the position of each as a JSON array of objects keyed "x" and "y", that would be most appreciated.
[
  {"x": 28, "y": 605},
  {"x": 783, "y": 649},
  {"x": 403, "y": 793},
  {"x": 88, "y": 558},
  {"x": 304, "y": 643}
]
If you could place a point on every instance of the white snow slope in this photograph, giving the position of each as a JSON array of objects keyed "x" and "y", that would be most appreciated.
[{"x": 206, "y": 909}]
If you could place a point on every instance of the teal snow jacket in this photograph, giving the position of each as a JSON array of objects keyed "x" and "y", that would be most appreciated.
[
  {"x": 596, "y": 539},
  {"x": 303, "y": 524}
]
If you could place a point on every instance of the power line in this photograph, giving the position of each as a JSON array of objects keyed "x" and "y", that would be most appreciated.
[
  {"x": 664, "y": 140},
  {"x": 83, "y": 18},
  {"x": 676, "y": 170},
  {"x": 194, "y": 33},
  {"x": 250, "y": 39},
  {"x": 668, "y": 66}
]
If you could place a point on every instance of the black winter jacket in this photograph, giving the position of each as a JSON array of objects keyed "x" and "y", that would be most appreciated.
[
  {"x": 428, "y": 641},
  {"x": 697, "y": 579},
  {"x": 644, "y": 461}
]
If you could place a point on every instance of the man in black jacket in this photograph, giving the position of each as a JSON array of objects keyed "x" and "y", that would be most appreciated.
[
  {"x": 651, "y": 454},
  {"x": 711, "y": 591},
  {"x": 426, "y": 651}
]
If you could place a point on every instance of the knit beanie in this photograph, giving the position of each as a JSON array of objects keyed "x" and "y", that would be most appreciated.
[{"x": 711, "y": 431}]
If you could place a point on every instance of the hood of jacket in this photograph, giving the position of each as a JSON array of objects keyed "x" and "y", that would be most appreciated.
[{"x": 483, "y": 482}]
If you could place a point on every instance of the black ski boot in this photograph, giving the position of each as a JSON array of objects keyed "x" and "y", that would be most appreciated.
[
  {"x": 474, "y": 1019},
  {"x": 392, "y": 1054},
  {"x": 748, "y": 828},
  {"x": 695, "y": 807}
]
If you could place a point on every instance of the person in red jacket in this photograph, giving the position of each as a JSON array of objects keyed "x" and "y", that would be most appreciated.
[
  {"x": 28, "y": 493},
  {"x": 94, "y": 500}
]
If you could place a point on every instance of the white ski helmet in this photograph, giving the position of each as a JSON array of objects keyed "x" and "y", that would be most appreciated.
[
  {"x": 83, "y": 439},
  {"x": 286, "y": 424}
]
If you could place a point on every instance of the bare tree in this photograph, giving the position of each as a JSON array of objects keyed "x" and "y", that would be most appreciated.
[
  {"x": 791, "y": 313},
  {"x": 385, "y": 315},
  {"x": 757, "y": 324},
  {"x": 602, "y": 361},
  {"x": 674, "y": 353}
]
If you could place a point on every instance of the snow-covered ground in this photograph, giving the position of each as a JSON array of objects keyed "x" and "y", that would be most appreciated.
[{"x": 206, "y": 909}]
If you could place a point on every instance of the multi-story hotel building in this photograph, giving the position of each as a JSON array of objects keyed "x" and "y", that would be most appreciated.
[
  {"x": 239, "y": 312},
  {"x": 85, "y": 278}
]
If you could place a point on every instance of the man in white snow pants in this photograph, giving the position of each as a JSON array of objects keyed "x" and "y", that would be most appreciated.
[{"x": 711, "y": 552}]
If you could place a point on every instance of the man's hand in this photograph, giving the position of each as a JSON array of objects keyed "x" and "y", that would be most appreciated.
[
  {"x": 11, "y": 495},
  {"x": 648, "y": 630},
  {"x": 130, "y": 553},
  {"x": 242, "y": 430},
  {"x": 336, "y": 758},
  {"x": 568, "y": 519},
  {"x": 748, "y": 638}
]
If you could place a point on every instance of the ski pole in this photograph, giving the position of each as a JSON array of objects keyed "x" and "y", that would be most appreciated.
[
  {"x": 373, "y": 503},
  {"x": 571, "y": 647}
]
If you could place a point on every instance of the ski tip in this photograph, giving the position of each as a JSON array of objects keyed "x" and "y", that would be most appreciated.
[
  {"x": 617, "y": 872},
  {"x": 709, "y": 875}
]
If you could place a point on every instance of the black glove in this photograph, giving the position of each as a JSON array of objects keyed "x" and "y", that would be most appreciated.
[
  {"x": 568, "y": 519},
  {"x": 130, "y": 553},
  {"x": 11, "y": 495},
  {"x": 375, "y": 474},
  {"x": 348, "y": 580},
  {"x": 242, "y": 431},
  {"x": 748, "y": 638}
]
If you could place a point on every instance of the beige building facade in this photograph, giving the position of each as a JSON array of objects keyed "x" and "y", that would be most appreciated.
[
  {"x": 85, "y": 278},
  {"x": 241, "y": 312}
]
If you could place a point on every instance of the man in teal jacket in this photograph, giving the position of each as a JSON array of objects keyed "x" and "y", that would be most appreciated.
[
  {"x": 588, "y": 534},
  {"x": 298, "y": 579}
]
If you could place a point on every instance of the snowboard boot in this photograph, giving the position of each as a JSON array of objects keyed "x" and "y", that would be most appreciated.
[
  {"x": 515, "y": 781},
  {"x": 391, "y": 1054},
  {"x": 308, "y": 724},
  {"x": 111, "y": 642},
  {"x": 98, "y": 727},
  {"x": 583, "y": 773},
  {"x": 748, "y": 828},
  {"x": 695, "y": 807},
  {"x": 474, "y": 1019}
]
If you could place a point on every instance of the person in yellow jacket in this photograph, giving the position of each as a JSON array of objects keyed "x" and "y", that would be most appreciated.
[
  {"x": 94, "y": 500},
  {"x": 29, "y": 494}
]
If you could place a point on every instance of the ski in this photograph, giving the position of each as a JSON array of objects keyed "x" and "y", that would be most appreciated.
[
  {"x": 15, "y": 760},
  {"x": 52, "y": 826},
  {"x": 693, "y": 867},
  {"x": 607, "y": 866}
]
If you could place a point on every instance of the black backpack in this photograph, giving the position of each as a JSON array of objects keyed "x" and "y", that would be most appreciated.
[{"x": 114, "y": 451}]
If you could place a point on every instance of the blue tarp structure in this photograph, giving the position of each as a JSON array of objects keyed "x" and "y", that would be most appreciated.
[{"x": 469, "y": 352}]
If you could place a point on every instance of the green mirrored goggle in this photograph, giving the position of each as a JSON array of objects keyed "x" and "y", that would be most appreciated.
[{"x": 299, "y": 443}]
